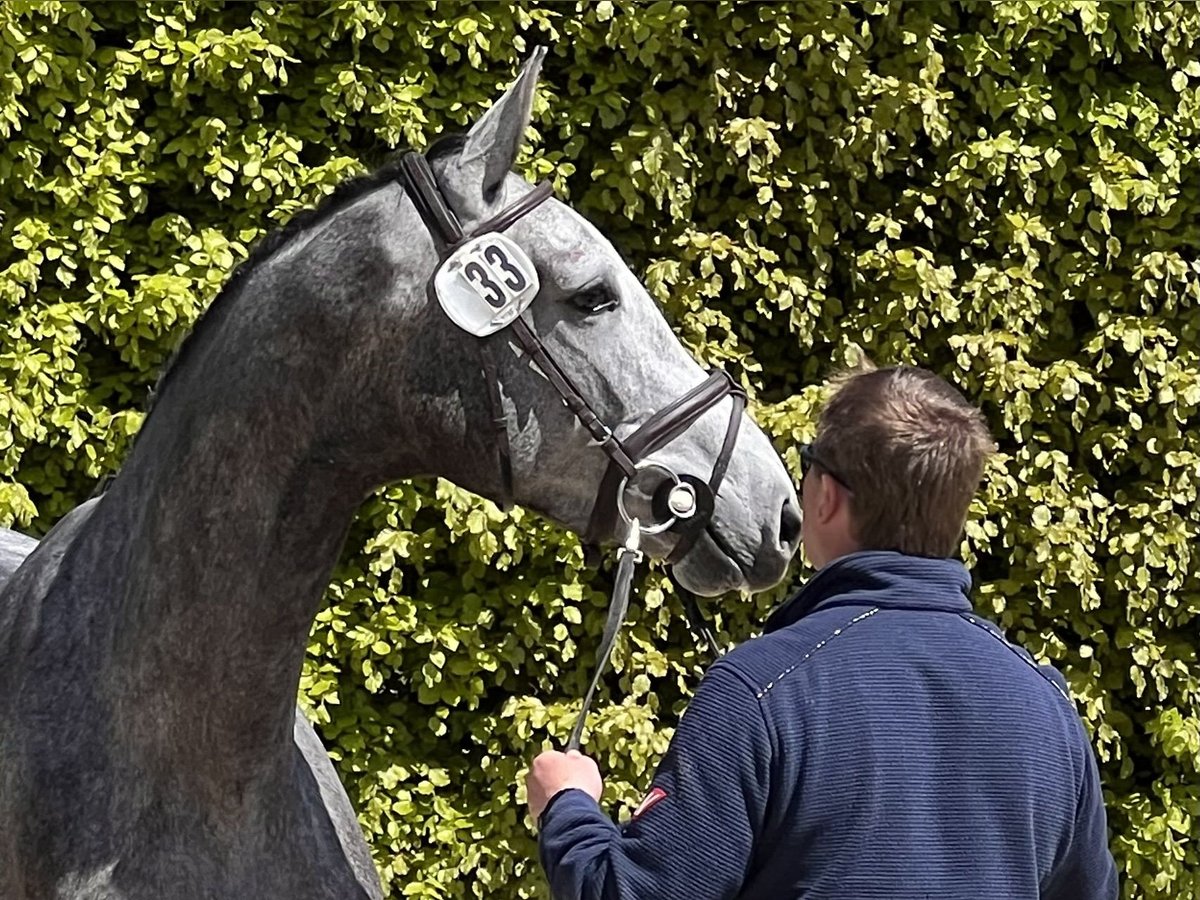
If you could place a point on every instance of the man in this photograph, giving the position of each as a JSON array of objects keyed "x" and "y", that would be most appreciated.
[{"x": 880, "y": 740}]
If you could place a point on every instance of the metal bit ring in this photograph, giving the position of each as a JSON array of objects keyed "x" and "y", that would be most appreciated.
[{"x": 659, "y": 527}]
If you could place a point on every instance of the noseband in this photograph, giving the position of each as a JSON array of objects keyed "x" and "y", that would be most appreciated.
[{"x": 485, "y": 282}]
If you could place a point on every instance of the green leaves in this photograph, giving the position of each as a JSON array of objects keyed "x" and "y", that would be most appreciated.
[{"x": 1001, "y": 192}]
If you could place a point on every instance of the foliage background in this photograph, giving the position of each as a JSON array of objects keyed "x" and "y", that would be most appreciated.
[{"x": 1005, "y": 192}]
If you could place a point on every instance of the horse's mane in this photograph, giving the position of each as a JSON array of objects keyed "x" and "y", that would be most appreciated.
[
  {"x": 342, "y": 196},
  {"x": 267, "y": 246}
]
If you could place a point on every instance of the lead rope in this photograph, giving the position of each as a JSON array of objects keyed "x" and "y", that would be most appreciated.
[{"x": 628, "y": 557}]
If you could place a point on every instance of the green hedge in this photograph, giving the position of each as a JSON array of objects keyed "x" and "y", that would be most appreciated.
[{"x": 1005, "y": 192}]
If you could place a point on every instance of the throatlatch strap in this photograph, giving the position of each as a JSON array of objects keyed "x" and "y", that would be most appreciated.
[
  {"x": 617, "y": 608},
  {"x": 491, "y": 379}
]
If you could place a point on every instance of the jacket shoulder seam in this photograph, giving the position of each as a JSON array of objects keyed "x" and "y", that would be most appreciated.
[
  {"x": 763, "y": 691},
  {"x": 1025, "y": 659}
]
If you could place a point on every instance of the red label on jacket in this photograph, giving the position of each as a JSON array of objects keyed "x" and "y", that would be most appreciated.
[{"x": 649, "y": 801}]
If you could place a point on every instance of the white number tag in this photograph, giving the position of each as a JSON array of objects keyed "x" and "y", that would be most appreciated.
[{"x": 485, "y": 284}]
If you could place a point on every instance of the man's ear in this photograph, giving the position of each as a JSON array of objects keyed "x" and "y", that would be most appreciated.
[
  {"x": 831, "y": 498},
  {"x": 494, "y": 141}
]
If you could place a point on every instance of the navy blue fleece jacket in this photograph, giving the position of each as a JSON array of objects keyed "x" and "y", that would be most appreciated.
[{"x": 880, "y": 740}]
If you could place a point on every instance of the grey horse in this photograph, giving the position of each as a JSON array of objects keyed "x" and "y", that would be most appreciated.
[{"x": 151, "y": 644}]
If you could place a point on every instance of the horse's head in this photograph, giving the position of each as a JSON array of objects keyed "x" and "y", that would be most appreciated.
[{"x": 601, "y": 327}]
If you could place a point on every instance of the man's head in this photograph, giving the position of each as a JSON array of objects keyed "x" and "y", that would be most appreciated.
[{"x": 898, "y": 455}]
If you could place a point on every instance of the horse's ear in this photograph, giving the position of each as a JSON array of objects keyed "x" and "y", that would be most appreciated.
[{"x": 496, "y": 138}]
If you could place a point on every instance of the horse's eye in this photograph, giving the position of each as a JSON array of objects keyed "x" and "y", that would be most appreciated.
[{"x": 595, "y": 299}]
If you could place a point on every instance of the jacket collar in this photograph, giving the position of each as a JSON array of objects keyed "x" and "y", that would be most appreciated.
[{"x": 880, "y": 578}]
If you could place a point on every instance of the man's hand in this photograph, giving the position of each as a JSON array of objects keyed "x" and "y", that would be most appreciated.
[{"x": 553, "y": 772}]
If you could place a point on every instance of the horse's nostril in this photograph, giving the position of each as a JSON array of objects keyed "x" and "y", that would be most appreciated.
[{"x": 789, "y": 524}]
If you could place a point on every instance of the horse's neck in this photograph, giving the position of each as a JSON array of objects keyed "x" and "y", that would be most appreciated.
[
  {"x": 226, "y": 521},
  {"x": 230, "y": 532}
]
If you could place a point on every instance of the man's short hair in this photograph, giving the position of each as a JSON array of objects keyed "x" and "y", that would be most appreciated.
[{"x": 912, "y": 451}]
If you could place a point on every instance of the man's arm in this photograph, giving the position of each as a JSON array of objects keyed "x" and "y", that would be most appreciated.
[
  {"x": 694, "y": 838},
  {"x": 1086, "y": 870}
]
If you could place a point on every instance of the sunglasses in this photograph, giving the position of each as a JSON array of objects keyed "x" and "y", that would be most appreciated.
[{"x": 809, "y": 458}]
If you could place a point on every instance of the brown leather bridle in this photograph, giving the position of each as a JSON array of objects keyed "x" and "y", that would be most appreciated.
[{"x": 682, "y": 504}]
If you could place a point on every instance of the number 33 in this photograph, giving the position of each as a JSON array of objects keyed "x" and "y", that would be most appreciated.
[{"x": 511, "y": 279}]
